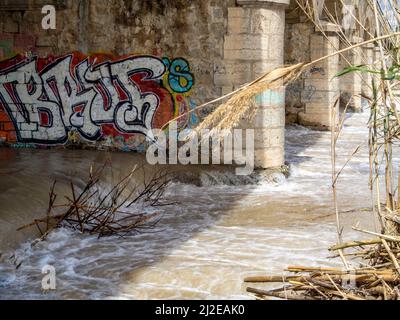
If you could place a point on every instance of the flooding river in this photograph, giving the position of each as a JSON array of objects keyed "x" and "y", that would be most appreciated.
[{"x": 201, "y": 248}]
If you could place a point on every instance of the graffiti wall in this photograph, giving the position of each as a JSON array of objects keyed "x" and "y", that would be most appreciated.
[{"x": 94, "y": 100}]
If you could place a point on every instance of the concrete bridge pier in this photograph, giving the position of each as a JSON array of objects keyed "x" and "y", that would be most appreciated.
[
  {"x": 321, "y": 89},
  {"x": 351, "y": 84},
  {"x": 254, "y": 45},
  {"x": 367, "y": 77}
]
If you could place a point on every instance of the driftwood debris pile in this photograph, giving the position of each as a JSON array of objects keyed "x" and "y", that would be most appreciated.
[
  {"x": 119, "y": 209},
  {"x": 378, "y": 278}
]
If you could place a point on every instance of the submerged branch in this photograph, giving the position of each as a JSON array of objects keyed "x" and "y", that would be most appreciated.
[{"x": 119, "y": 211}]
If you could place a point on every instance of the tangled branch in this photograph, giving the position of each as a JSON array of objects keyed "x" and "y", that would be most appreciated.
[{"x": 118, "y": 210}]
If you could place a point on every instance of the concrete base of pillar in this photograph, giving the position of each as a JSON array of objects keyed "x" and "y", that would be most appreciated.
[
  {"x": 321, "y": 89},
  {"x": 268, "y": 124},
  {"x": 315, "y": 121}
]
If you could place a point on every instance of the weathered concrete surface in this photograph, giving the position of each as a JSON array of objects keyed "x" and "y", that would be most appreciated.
[
  {"x": 220, "y": 44},
  {"x": 189, "y": 34},
  {"x": 254, "y": 45},
  {"x": 214, "y": 45},
  {"x": 191, "y": 29},
  {"x": 309, "y": 100}
]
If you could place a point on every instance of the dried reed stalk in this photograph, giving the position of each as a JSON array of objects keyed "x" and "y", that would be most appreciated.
[
  {"x": 241, "y": 101},
  {"x": 241, "y": 105}
]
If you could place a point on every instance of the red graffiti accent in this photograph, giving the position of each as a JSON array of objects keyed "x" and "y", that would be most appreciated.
[
  {"x": 110, "y": 130},
  {"x": 44, "y": 119},
  {"x": 10, "y": 90},
  {"x": 104, "y": 96},
  {"x": 53, "y": 87},
  {"x": 122, "y": 94},
  {"x": 9, "y": 63},
  {"x": 165, "y": 111},
  {"x": 7, "y": 130}
]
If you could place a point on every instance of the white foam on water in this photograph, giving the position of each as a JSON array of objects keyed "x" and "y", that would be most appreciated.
[{"x": 218, "y": 234}]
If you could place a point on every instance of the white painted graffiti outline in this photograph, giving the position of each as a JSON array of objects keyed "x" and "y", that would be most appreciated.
[{"x": 82, "y": 99}]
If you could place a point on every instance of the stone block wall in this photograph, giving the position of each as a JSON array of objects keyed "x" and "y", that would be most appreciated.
[
  {"x": 310, "y": 99},
  {"x": 352, "y": 83},
  {"x": 297, "y": 49},
  {"x": 325, "y": 87},
  {"x": 367, "y": 80},
  {"x": 181, "y": 41},
  {"x": 253, "y": 46},
  {"x": 114, "y": 69}
]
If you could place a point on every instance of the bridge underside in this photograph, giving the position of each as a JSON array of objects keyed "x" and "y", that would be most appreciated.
[{"x": 82, "y": 85}]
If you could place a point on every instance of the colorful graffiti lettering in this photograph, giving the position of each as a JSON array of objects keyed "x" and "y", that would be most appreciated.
[
  {"x": 179, "y": 77},
  {"x": 181, "y": 80},
  {"x": 75, "y": 98}
]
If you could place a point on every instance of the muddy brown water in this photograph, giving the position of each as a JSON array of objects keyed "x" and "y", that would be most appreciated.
[{"x": 203, "y": 247}]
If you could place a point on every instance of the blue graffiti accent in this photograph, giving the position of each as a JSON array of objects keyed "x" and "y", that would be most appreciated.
[
  {"x": 141, "y": 148},
  {"x": 179, "y": 68},
  {"x": 19, "y": 145}
]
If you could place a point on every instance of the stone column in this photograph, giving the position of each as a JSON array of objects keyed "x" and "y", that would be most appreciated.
[
  {"x": 321, "y": 89},
  {"x": 351, "y": 84},
  {"x": 254, "y": 45},
  {"x": 367, "y": 77}
]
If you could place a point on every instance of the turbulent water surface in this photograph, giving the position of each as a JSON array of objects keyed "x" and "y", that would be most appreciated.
[{"x": 202, "y": 247}]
